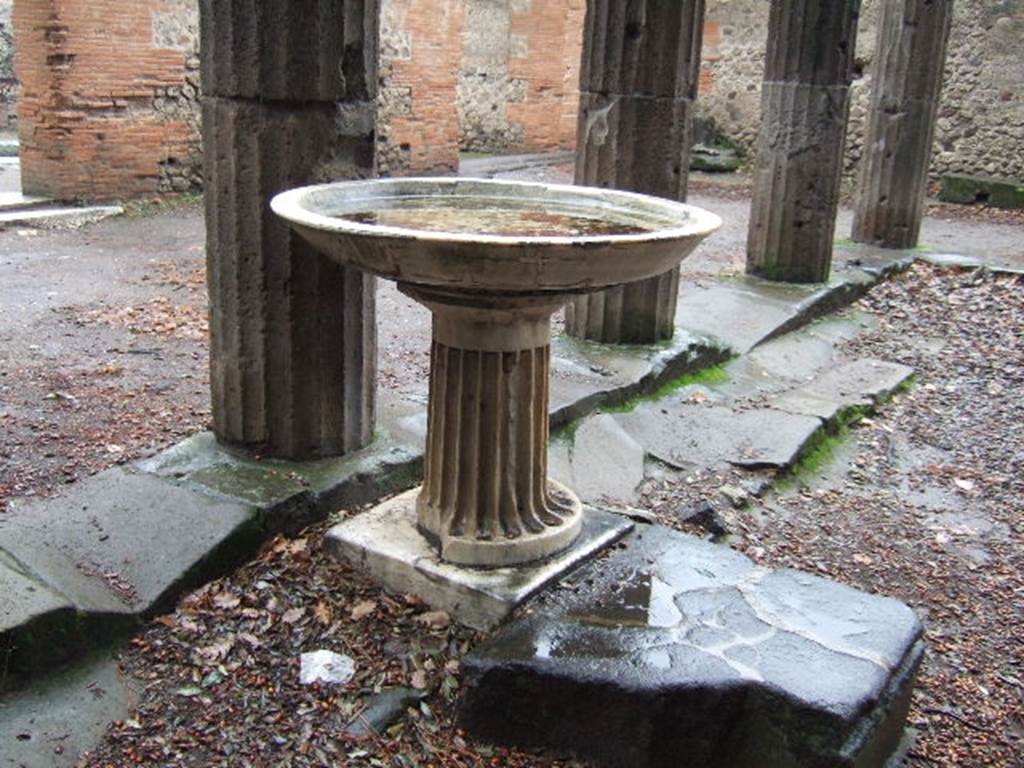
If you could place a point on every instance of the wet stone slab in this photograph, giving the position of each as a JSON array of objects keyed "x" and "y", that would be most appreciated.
[
  {"x": 599, "y": 461},
  {"x": 860, "y": 383},
  {"x": 745, "y": 312},
  {"x": 680, "y": 434},
  {"x": 50, "y": 724},
  {"x": 672, "y": 646}
]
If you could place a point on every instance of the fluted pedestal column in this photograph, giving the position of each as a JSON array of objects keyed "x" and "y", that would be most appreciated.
[
  {"x": 805, "y": 105},
  {"x": 911, "y": 55},
  {"x": 639, "y": 80},
  {"x": 486, "y": 498},
  {"x": 287, "y": 100}
]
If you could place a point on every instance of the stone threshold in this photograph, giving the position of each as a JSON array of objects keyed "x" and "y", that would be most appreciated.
[{"x": 123, "y": 546}]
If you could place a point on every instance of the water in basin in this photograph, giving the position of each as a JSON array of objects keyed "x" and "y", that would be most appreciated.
[{"x": 491, "y": 218}]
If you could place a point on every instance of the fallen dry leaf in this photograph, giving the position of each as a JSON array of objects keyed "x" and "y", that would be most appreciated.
[
  {"x": 292, "y": 615},
  {"x": 226, "y": 601},
  {"x": 418, "y": 679},
  {"x": 434, "y": 619},
  {"x": 363, "y": 610},
  {"x": 323, "y": 612}
]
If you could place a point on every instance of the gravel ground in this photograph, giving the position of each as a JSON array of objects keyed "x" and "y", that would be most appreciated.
[
  {"x": 924, "y": 501},
  {"x": 95, "y": 372}
]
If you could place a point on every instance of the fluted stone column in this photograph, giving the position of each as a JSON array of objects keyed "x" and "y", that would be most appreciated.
[
  {"x": 907, "y": 81},
  {"x": 287, "y": 100},
  {"x": 638, "y": 82},
  {"x": 486, "y": 498},
  {"x": 805, "y": 106}
]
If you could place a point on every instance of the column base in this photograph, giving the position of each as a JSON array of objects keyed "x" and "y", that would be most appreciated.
[
  {"x": 527, "y": 547},
  {"x": 386, "y": 542},
  {"x": 638, "y": 313}
]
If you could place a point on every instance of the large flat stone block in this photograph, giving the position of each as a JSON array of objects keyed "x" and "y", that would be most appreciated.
[
  {"x": 673, "y": 651},
  {"x": 386, "y": 543},
  {"x": 51, "y": 724},
  {"x": 599, "y": 461},
  {"x": 746, "y": 312},
  {"x": 35, "y": 620},
  {"x": 125, "y": 542},
  {"x": 681, "y": 435},
  {"x": 861, "y": 383}
]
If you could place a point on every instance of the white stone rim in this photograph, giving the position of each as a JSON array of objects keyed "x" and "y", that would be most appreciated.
[{"x": 699, "y": 222}]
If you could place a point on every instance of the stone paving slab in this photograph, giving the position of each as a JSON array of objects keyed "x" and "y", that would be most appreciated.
[
  {"x": 386, "y": 543},
  {"x": 683, "y": 435},
  {"x": 16, "y": 201},
  {"x": 876, "y": 261},
  {"x": 743, "y": 312},
  {"x": 288, "y": 495},
  {"x": 672, "y": 646},
  {"x": 51, "y": 217},
  {"x": 956, "y": 261},
  {"x": 50, "y": 725},
  {"x": 861, "y": 383},
  {"x": 599, "y": 461},
  {"x": 586, "y": 376},
  {"x": 125, "y": 541},
  {"x": 32, "y": 617}
]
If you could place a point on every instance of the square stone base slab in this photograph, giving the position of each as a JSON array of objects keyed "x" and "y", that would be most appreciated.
[{"x": 386, "y": 543}]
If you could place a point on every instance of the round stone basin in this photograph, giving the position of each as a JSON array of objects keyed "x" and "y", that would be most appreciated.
[
  {"x": 496, "y": 236},
  {"x": 493, "y": 260}
]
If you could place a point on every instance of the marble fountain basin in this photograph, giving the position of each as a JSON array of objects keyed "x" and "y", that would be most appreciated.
[
  {"x": 495, "y": 236},
  {"x": 492, "y": 260}
]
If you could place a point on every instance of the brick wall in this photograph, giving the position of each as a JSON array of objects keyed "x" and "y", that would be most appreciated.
[
  {"x": 108, "y": 89},
  {"x": 546, "y": 46},
  {"x": 421, "y": 52},
  {"x": 492, "y": 75}
]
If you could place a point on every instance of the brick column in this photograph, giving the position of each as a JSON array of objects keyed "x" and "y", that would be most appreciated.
[
  {"x": 638, "y": 83},
  {"x": 907, "y": 81},
  {"x": 287, "y": 101},
  {"x": 805, "y": 106}
]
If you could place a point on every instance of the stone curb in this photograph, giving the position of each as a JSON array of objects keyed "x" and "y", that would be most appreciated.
[
  {"x": 956, "y": 261},
  {"x": 91, "y": 593}
]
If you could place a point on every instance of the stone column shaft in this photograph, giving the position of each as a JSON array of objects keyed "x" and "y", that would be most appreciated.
[
  {"x": 805, "y": 105},
  {"x": 639, "y": 80},
  {"x": 907, "y": 82},
  {"x": 287, "y": 101},
  {"x": 486, "y": 497}
]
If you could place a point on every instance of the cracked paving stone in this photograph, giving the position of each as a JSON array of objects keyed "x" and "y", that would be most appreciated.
[
  {"x": 675, "y": 646},
  {"x": 682, "y": 435}
]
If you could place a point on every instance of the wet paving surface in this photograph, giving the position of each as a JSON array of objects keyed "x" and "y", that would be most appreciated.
[{"x": 670, "y": 620}]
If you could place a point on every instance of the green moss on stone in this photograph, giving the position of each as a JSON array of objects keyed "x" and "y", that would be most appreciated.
[{"x": 706, "y": 376}]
